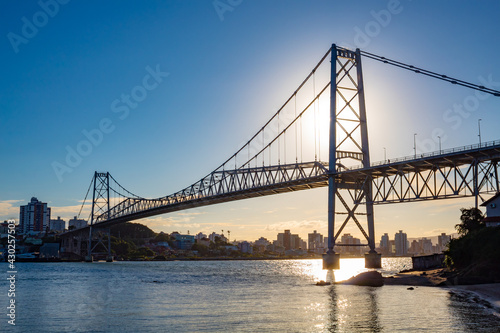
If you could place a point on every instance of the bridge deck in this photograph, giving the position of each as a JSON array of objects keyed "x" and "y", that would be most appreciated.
[{"x": 302, "y": 176}]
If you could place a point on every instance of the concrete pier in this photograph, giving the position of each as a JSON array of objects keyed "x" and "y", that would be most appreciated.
[
  {"x": 373, "y": 260},
  {"x": 331, "y": 260},
  {"x": 89, "y": 259}
]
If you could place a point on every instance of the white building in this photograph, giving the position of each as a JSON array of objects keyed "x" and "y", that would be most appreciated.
[
  {"x": 34, "y": 217},
  {"x": 200, "y": 236},
  {"x": 57, "y": 225},
  {"x": 213, "y": 235},
  {"x": 315, "y": 242},
  {"x": 245, "y": 247},
  {"x": 425, "y": 245},
  {"x": 492, "y": 205},
  {"x": 443, "y": 240},
  {"x": 348, "y": 239},
  {"x": 77, "y": 223}
]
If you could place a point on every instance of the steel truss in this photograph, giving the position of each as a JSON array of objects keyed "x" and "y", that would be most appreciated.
[
  {"x": 98, "y": 234},
  {"x": 459, "y": 175},
  {"x": 348, "y": 144},
  {"x": 224, "y": 186}
]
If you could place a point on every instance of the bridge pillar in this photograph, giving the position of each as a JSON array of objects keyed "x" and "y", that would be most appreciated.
[
  {"x": 373, "y": 260},
  {"x": 349, "y": 107},
  {"x": 100, "y": 207},
  {"x": 331, "y": 260}
]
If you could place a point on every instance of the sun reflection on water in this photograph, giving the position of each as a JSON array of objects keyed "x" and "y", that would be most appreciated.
[{"x": 313, "y": 269}]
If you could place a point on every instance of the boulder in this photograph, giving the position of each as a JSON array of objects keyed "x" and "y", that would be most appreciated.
[{"x": 371, "y": 279}]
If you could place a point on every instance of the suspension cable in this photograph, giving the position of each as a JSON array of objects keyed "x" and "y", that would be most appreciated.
[
  {"x": 296, "y": 143},
  {"x": 123, "y": 188},
  {"x": 91, "y": 182},
  {"x": 281, "y": 108},
  {"x": 431, "y": 74},
  {"x": 315, "y": 120}
]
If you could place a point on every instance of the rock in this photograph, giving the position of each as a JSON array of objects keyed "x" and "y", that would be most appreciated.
[
  {"x": 410, "y": 288},
  {"x": 371, "y": 279},
  {"x": 323, "y": 283}
]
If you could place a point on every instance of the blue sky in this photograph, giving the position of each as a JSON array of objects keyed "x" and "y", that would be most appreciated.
[{"x": 228, "y": 72}]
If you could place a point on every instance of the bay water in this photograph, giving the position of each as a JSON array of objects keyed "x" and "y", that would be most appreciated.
[{"x": 231, "y": 296}]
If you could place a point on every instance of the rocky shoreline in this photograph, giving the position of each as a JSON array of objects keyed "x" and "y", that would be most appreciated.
[{"x": 440, "y": 277}]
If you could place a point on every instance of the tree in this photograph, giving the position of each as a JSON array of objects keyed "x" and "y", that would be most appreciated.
[
  {"x": 161, "y": 237},
  {"x": 471, "y": 220},
  {"x": 202, "y": 249},
  {"x": 142, "y": 252},
  {"x": 121, "y": 247}
]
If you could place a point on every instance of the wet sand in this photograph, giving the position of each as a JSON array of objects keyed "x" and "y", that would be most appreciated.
[
  {"x": 489, "y": 292},
  {"x": 437, "y": 277},
  {"x": 431, "y": 277}
]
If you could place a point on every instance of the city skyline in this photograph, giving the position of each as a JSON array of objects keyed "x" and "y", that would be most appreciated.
[
  {"x": 63, "y": 84},
  {"x": 315, "y": 240}
]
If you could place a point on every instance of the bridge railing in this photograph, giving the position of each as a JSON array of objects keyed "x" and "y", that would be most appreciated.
[{"x": 431, "y": 154}]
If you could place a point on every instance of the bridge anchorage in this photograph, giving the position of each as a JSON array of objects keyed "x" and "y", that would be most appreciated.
[{"x": 279, "y": 159}]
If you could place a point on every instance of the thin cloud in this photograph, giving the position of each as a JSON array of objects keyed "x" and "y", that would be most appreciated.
[{"x": 9, "y": 209}]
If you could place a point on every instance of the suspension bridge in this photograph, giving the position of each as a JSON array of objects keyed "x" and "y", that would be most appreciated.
[{"x": 317, "y": 138}]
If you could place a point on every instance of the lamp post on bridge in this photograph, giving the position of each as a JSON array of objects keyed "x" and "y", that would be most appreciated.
[
  {"x": 479, "y": 128},
  {"x": 385, "y": 155},
  {"x": 439, "y": 144},
  {"x": 415, "y": 145}
]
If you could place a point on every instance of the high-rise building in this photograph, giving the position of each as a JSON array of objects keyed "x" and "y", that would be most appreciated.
[
  {"x": 384, "y": 244},
  {"x": 425, "y": 245},
  {"x": 287, "y": 240},
  {"x": 415, "y": 247},
  {"x": 57, "y": 225},
  {"x": 34, "y": 217},
  {"x": 290, "y": 241},
  {"x": 77, "y": 223},
  {"x": 401, "y": 242},
  {"x": 443, "y": 240},
  {"x": 348, "y": 239},
  {"x": 315, "y": 241},
  {"x": 284, "y": 239}
]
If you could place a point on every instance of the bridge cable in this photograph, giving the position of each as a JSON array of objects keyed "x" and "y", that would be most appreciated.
[
  {"x": 319, "y": 130},
  {"x": 279, "y": 135},
  {"x": 431, "y": 74},
  {"x": 91, "y": 182},
  {"x": 308, "y": 107},
  {"x": 282, "y": 107},
  {"x": 124, "y": 189},
  {"x": 314, "y": 111},
  {"x": 296, "y": 143},
  {"x": 263, "y": 143}
]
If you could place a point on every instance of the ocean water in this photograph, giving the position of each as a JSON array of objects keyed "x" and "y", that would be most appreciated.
[{"x": 230, "y": 296}]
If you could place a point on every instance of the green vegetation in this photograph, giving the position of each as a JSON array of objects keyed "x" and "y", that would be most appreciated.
[
  {"x": 471, "y": 221},
  {"x": 475, "y": 255},
  {"x": 132, "y": 230}
]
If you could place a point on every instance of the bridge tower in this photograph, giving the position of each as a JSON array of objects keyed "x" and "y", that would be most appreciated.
[
  {"x": 348, "y": 124},
  {"x": 100, "y": 205}
]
